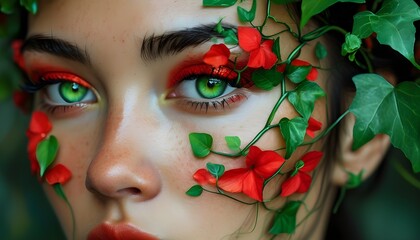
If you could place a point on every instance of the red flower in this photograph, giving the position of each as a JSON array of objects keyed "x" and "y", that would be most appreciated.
[
  {"x": 39, "y": 127},
  {"x": 260, "y": 165},
  {"x": 313, "y": 126},
  {"x": 203, "y": 177},
  {"x": 313, "y": 73},
  {"x": 58, "y": 174},
  {"x": 17, "y": 53},
  {"x": 300, "y": 180},
  {"x": 217, "y": 56},
  {"x": 260, "y": 53}
]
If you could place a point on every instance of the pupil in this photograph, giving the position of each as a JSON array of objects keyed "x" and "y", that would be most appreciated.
[
  {"x": 75, "y": 87},
  {"x": 211, "y": 83}
]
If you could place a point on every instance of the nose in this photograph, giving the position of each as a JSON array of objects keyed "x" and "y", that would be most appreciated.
[{"x": 122, "y": 167}]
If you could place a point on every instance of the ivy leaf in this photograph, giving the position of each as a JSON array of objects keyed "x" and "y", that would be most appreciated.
[
  {"x": 310, "y": 8},
  {"x": 393, "y": 24},
  {"x": 216, "y": 170},
  {"x": 320, "y": 51},
  {"x": 266, "y": 79},
  {"x": 30, "y": 5},
  {"x": 234, "y": 143},
  {"x": 247, "y": 16},
  {"x": 353, "y": 180},
  {"x": 381, "y": 108},
  {"x": 195, "y": 191},
  {"x": 218, "y": 3},
  {"x": 201, "y": 144},
  {"x": 285, "y": 220},
  {"x": 304, "y": 96},
  {"x": 7, "y": 6},
  {"x": 297, "y": 74},
  {"x": 230, "y": 37},
  {"x": 46, "y": 151},
  {"x": 293, "y": 132},
  {"x": 276, "y": 48}
]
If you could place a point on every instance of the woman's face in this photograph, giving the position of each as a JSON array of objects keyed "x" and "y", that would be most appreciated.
[{"x": 126, "y": 139}]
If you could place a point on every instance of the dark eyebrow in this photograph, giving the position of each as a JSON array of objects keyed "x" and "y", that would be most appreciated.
[
  {"x": 55, "y": 46},
  {"x": 154, "y": 47}
]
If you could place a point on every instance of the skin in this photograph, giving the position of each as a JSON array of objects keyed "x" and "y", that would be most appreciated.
[{"x": 129, "y": 151}]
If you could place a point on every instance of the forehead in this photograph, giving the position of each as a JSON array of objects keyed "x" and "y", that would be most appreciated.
[{"x": 108, "y": 17}]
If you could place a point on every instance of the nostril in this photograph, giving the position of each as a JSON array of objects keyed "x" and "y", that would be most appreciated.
[{"x": 129, "y": 191}]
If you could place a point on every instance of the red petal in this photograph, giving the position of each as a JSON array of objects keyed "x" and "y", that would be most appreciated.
[
  {"x": 298, "y": 63},
  {"x": 313, "y": 74},
  {"x": 203, "y": 177},
  {"x": 58, "y": 174},
  {"x": 311, "y": 160},
  {"x": 253, "y": 186},
  {"x": 217, "y": 56},
  {"x": 305, "y": 182},
  {"x": 40, "y": 123},
  {"x": 313, "y": 126},
  {"x": 252, "y": 156},
  {"x": 249, "y": 38},
  {"x": 232, "y": 180},
  {"x": 268, "y": 163},
  {"x": 34, "y": 139},
  {"x": 281, "y": 68},
  {"x": 262, "y": 57},
  {"x": 17, "y": 53},
  {"x": 290, "y": 186}
]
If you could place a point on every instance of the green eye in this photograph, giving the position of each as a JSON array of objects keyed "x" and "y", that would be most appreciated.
[
  {"x": 208, "y": 87},
  {"x": 72, "y": 92}
]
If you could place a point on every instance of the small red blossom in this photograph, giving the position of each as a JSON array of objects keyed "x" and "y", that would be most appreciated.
[
  {"x": 313, "y": 126},
  {"x": 22, "y": 100},
  {"x": 203, "y": 177},
  {"x": 58, "y": 174},
  {"x": 260, "y": 165},
  {"x": 300, "y": 180},
  {"x": 313, "y": 74},
  {"x": 17, "y": 53},
  {"x": 217, "y": 56},
  {"x": 39, "y": 127},
  {"x": 260, "y": 52}
]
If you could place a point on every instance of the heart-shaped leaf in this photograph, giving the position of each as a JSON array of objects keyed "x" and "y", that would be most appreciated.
[
  {"x": 201, "y": 144},
  {"x": 304, "y": 96},
  {"x": 285, "y": 220},
  {"x": 381, "y": 108},
  {"x": 293, "y": 132},
  {"x": 46, "y": 152}
]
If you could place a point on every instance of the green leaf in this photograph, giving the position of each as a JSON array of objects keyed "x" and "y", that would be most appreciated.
[
  {"x": 266, "y": 79},
  {"x": 216, "y": 170},
  {"x": 353, "y": 180},
  {"x": 247, "y": 16},
  {"x": 218, "y": 3},
  {"x": 312, "y": 7},
  {"x": 58, "y": 188},
  {"x": 30, "y": 5},
  {"x": 284, "y": 1},
  {"x": 46, "y": 151},
  {"x": 195, "y": 191},
  {"x": 381, "y": 108},
  {"x": 234, "y": 143},
  {"x": 320, "y": 51},
  {"x": 351, "y": 44},
  {"x": 7, "y": 6},
  {"x": 276, "y": 48},
  {"x": 285, "y": 220},
  {"x": 297, "y": 74},
  {"x": 230, "y": 37},
  {"x": 304, "y": 96},
  {"x": 219, "y": 28},
  {"x": 293, "y": 132},
  {"x": 393, "y": 24},
  {"x": 201, "y": 144}
]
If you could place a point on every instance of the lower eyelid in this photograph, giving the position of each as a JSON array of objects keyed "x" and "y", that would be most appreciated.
[{"x": 214, "y": 106}]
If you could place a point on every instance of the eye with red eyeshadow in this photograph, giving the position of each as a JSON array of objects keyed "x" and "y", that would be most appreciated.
[
  {"x": 63, "y": 92},
  {"x": 202, "y": 87}
]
